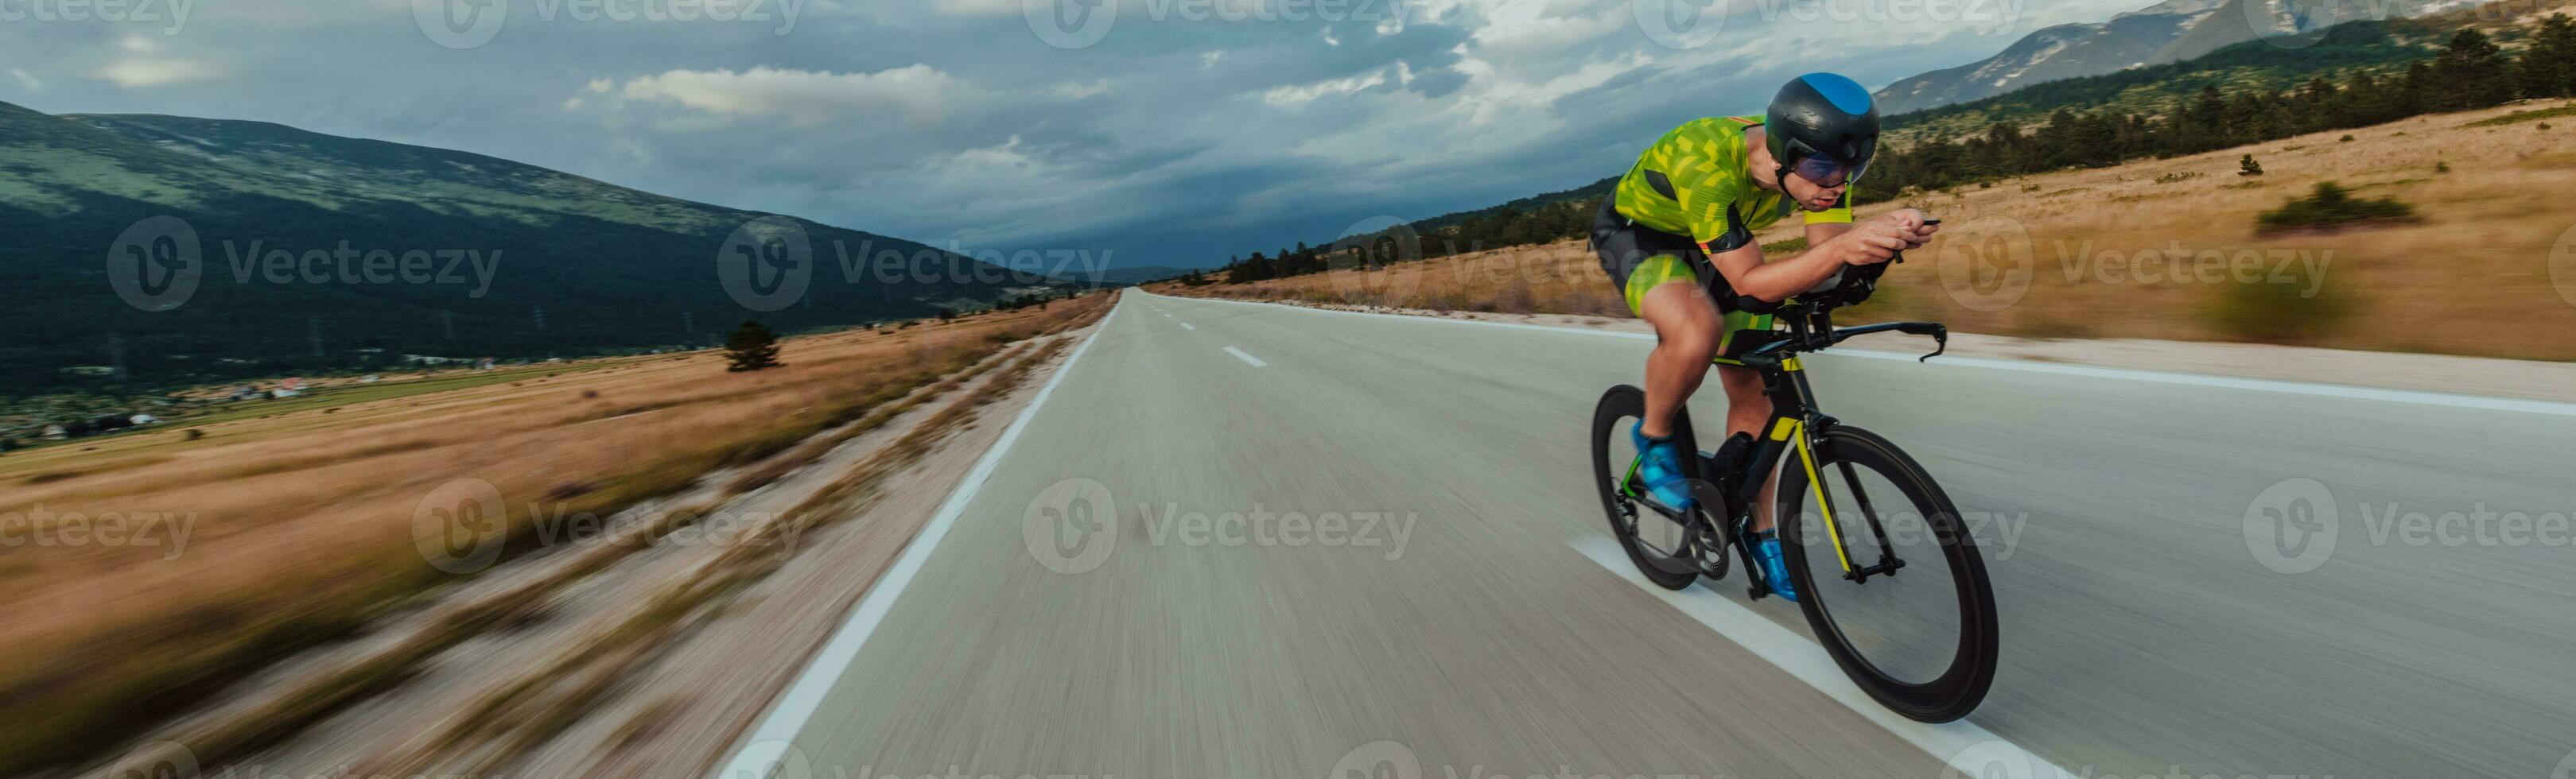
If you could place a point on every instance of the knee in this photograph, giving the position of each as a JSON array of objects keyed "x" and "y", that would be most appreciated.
[{"x": 1698, "y": 342}]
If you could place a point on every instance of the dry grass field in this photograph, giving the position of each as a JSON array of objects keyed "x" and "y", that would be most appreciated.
[
  {"x": 2167, "y": 249},
  {"x": 147, "y": 569}
]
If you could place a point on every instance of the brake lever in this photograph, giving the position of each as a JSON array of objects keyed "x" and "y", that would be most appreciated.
[{"x": 1941, "y": 343}]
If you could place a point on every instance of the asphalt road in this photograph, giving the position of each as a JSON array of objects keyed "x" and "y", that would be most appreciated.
[{"x": 2143, "y": 633}]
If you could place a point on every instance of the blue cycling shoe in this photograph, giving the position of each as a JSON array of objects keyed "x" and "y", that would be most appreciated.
[
  {"x": 1775, "y": 567},
  {"x": 1660, "y": 469}
]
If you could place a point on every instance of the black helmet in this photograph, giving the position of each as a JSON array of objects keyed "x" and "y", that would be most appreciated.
[{"x": 1824, "y": 125}]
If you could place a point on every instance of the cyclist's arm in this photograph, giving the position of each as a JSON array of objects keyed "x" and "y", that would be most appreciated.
[{"x": 1773, "y": 282}]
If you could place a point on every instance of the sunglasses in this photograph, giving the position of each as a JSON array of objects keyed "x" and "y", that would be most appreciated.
[{"x": 1826, "y": 171}]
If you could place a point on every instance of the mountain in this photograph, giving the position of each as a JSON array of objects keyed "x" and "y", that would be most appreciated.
[
  {"x": 316, "y": 249},
  {"x": 2170, "y": 31}
]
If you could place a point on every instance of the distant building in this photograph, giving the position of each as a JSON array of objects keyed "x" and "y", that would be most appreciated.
[{"x": 54, "y": 433}]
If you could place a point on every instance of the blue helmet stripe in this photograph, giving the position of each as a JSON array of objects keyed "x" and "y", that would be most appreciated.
[{"x": 1845, "y": 93}]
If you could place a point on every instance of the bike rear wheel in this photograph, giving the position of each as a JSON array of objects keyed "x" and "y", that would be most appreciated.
[
  {"x": 1656, "y": 543},
  {"x": 1924, "y": 649}
]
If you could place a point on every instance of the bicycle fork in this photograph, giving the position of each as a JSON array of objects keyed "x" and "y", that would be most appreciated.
[{"x": 1802, "y": 437}]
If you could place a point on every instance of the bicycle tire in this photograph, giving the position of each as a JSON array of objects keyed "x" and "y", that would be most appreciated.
[
  {"x": 1971, "y": 671},
  {"x": 1671, "y": 572}
]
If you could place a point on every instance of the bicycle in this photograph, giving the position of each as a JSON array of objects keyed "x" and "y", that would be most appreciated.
[{"x": 1726, "y": 482}]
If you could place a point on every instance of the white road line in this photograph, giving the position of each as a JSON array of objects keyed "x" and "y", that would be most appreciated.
[
  {"x": 1165, "y": 316},
  {"x": 1973, "y": 750},
  {"x": 769, "y": 742},
  {"x": 1238, "y": 353},
  {"x": 2416, "y": 397},
  {"x": 1186, "y": 326}
]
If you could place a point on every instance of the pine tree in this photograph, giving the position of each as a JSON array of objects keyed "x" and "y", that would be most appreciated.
[
  {"x": 2248, "y": 167},
  {"x": 2549, "y": 66},
  {"x": 751, "y": 347},
  {"x": 2474, "y": 70}
]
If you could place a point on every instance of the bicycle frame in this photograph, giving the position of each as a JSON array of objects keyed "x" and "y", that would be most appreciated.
[{"x": 1796, "y": 423}]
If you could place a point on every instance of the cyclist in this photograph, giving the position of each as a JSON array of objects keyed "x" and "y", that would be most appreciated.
[{"x": 1676, "y": 237}]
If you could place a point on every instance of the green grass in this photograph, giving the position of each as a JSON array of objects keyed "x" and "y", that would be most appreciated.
[{"x": 2524, "y": 116}]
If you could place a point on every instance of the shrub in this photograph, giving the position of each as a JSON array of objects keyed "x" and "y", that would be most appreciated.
[
  {"x": 2332, "y": 206},
  {"x": 2275, "y": 312},
  {"x": 2248, "y": 167},
  {"x": 751, "y": 347},
  {"x": 2347, "y": 138},
  {"x": 2177, "y": 176}
]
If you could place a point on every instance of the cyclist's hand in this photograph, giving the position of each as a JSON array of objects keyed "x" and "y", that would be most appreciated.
[
  {"x": 1877, "y": 240},
  {"x": 1916, "y": 223}
]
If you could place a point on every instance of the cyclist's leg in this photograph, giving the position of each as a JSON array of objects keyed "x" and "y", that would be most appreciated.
[
  {"x": 1746, "y": 407},
  {"x": 1664, "y": 292}
]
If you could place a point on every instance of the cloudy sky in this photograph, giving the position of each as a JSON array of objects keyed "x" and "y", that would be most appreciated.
[{"x": 1166, "y": 132}]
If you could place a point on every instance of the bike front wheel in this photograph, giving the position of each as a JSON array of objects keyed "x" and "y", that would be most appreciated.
[{"x": 1921, "y": 638}]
